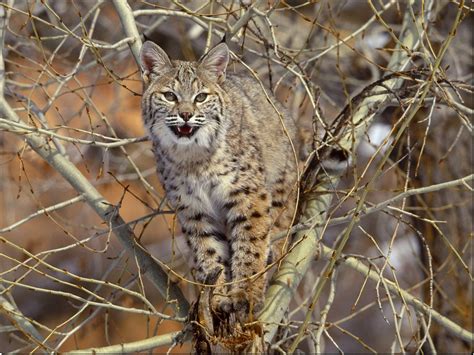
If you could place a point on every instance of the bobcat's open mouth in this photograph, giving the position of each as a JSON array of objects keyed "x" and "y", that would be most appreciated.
[{"x": 184, "y": 131}]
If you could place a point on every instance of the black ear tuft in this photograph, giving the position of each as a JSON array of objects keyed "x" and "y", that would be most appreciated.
[
  {"x": 215, "y": 62},
  {"x": 153, "y": 59}
]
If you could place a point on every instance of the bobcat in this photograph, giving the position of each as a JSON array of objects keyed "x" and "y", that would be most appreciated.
[{"x": 226, "y": 159}]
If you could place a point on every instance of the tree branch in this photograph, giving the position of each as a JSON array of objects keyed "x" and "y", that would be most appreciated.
[
  {"x": 19, "y": 320},
  {"x": 100, "y": 205},
  {"x": 128, "y": 22},
  {"x": 134, "y": 346},
  {"x": 355, "y": 264},
  {"x": 298, "y": 260}
]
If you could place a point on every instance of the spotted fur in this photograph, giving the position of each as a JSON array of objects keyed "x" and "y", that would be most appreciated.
[{"x": 227, "y": 166}]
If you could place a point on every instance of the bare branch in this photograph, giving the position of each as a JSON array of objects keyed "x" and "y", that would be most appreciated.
[
  {"x": 296, "y": 263},
  {"x": 355, "y": 264},
  {"x": 141, "y": 345}
]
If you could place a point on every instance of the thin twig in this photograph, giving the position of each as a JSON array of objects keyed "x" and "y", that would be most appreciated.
[
  {"x": 355, "y": 264},
  {"x": 291, "y": 271}
]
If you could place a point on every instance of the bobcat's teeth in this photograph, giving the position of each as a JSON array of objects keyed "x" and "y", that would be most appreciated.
[{"x": 185, "y": 129}]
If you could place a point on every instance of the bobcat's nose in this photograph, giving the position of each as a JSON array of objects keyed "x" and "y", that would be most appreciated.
[{"x": 186, "y": 116}]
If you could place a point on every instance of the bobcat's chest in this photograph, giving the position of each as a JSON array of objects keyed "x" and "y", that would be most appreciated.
[{"x": 204, "y": 192}]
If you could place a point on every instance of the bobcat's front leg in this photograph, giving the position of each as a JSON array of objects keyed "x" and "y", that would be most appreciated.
[
  {"x": 209, "y": 247},
  {"x": 249, "y": 222}
]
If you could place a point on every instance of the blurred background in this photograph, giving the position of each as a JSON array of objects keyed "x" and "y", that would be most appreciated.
[{"x": 71, "y": 77}]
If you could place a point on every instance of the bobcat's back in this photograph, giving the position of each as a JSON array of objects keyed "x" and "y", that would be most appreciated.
[{"x": 263, "y": 119}]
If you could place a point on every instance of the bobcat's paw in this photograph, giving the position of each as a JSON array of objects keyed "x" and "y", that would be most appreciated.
[
  {"x": 244, "y": 302},
  {"x": 237, "y": 301},
  {"x": 221, "y": 303}
]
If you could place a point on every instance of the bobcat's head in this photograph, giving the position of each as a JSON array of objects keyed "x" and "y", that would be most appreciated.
[{"x": 182, "y": 104}]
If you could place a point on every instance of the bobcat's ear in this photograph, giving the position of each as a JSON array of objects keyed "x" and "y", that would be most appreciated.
[
  {"x": 215, "y": 62},
  {"x": 153, "y": 60}
]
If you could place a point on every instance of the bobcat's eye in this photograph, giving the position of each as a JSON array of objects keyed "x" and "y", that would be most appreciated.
[
  {"x": 170, "y": 96},
  {"x": 200, "y": 97}
]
